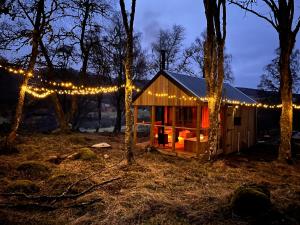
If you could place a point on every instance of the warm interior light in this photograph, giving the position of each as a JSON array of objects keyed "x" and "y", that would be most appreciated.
[
  {"x": 180, "y": 140},
  {"x": 201, "y": 137}
]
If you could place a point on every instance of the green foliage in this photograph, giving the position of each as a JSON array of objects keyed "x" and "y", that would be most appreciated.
[
  {"x": 22, "y": 186},
  {"x": 34, "y": 169},
  {"x": 86, "y": 154}
]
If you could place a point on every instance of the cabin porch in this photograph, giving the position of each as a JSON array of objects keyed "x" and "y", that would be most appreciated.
[{"x": 174, "y": 129}]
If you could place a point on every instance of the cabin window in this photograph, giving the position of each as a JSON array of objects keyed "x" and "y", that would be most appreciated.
[{"x": 186, "y": 116}]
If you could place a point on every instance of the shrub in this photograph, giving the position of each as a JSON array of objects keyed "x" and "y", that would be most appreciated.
[
  {"x": 251, "y": 200},
  {"x": 23, "y": 186}
]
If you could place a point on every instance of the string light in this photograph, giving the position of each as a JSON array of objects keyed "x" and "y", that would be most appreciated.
[
  {"x": 16, "y": 71},
  {"x": 37, "y": 92},
  {"x": 45, "y": 92},
  {"x": 226, "y": 101},
  {"x": 68, "y": 88}
]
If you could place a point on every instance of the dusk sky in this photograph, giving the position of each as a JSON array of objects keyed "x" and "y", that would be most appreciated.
[{"x": 250, "y": 40}]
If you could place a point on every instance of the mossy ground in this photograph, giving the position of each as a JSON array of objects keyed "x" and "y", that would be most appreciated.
[
  {"x": 34, "y": 169},
  {"x": 22, "y": 186},
  {"x": 86, "y": 154},
  {"x": 156, "y": 189}
]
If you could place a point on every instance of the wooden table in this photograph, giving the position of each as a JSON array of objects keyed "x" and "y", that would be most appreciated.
[{"x": 190, "y": 145}]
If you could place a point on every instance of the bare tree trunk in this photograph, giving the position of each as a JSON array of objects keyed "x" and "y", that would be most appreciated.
[
  {"x": 281, "y": 17},
  {"x": 85, "y": 51},
  {"x": 99, "y": 100},
  {"x": 118, "y": 122},
  {"x": 214, "y": 67},
  {"x": 214, "y": 104},
  {"x": 213, "y": 126},
  {"x": 60, "y": 115},
  {"x": 128, "y": 104},
  {"x": 287, "y": 39},
  {"x": 77, "y": 101},
  {"x": 128, "y": 74},
  {"x": 73, "y": 111},
  {"x": 286, "y": 118},
  {"x": 34, "y": 54},
  {"x": 19, "y": 111}
]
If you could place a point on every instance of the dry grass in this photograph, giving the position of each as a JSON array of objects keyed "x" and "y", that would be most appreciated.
[{"x": 157, "y": 189}]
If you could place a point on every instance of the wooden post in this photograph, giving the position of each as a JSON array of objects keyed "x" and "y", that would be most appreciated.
[
  {"x": 238, "y": 142},
  {"x": 224, "y": 130},
  {"x": 135, "y": 120},
  {"x": 173, "y": 127},
  {"x": 198, "y": 129},
  {"x": 152, "y": 125}
]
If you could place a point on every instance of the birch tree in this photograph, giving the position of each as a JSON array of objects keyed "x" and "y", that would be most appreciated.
[
  {"x": 215, "y": 12},
  {"x": 35, "y": 37},
  {"x": 129, "y": 74},
  {"x": 17, "y": 27},
  {"x": 281, "y": 17}
]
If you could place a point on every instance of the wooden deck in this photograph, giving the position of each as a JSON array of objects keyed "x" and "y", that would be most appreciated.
[
  {"x": 168, "y": 151},
  {"x": 178, "y": 152}
]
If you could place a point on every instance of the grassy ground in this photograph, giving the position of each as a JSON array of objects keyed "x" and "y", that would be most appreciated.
[{"x": 157, "y": 189}]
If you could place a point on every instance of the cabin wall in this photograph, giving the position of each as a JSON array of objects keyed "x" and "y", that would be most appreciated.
[
  {"x": 240, "y": 128},
  {"x": 162, "y": 85}
]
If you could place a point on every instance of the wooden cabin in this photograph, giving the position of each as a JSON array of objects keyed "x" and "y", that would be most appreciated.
[{"x": 178, "y": 120}]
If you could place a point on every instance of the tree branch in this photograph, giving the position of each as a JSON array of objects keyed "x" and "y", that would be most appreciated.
[
  {"x": 26, "y": 13},
  {"x": 59, "y": 197},
  {"x": 295, "y": 32},
  {"x": 124, "y": 15},
  {"x": 224, "y": 21},
  {"x": 254, "y": 12},
  {"x": 132, "y": 15}
]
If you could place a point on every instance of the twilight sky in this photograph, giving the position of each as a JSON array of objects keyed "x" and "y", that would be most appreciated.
[{"x": 250, "y": 40}]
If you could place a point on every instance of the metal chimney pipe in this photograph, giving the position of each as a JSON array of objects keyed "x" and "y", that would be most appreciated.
[{"x": 162, "y": 59}]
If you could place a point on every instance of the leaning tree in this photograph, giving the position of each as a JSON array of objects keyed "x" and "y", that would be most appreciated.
[
  {"x": 128, "y": 74},
  {"x": 27, "y": 24},
  {"x": 281, "y": 17},
  {"x": 18, "y": 11},
  {"x": 215, "y": 12}
]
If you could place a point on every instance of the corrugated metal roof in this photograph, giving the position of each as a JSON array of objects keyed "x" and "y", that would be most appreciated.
[{"x": 197, "y": 86}]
